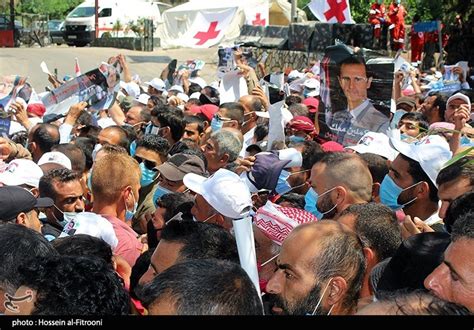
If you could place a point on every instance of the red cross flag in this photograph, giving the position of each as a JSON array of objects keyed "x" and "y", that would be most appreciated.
[
  {"x": 208, "y": 28},
  {"x": 331, "y": 11},
  {"x": 257, "y": 15}
]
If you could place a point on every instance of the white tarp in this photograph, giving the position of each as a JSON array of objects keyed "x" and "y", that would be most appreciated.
[{"x": 179, "y": 23}]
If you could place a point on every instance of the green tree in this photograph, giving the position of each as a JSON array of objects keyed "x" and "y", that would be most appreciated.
[{"x": 54, "y": 8}]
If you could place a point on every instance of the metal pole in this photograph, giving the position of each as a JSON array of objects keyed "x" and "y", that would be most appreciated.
[
  {"x": 12, "y": 14},
  {"x": 97, "y": 18},
  {"x": 440, "y": 40},
  {"x": 294, "y": 18}
]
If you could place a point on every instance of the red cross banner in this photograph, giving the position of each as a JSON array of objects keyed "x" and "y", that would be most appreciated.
[
  {"x": 331, "y": 11},
  {"x": 208, "y": 28},
  {"x": 257, "y": 15}
]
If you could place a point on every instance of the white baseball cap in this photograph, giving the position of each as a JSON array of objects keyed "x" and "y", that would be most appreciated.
[
  {"x": 55, "y": 157},
  {"x": 93, "y": 225},
  {"x": 21, "y": 171},
  {"x": 375, "y": 143},
  {"x": 183, "y": 97},
  {"x": 157, "y": 84},
  {"x": 431, "y": 152},
  {"x": 177, "y": 88},
  {"x": 131, "y": 88},
  {"x": 142, "y": 99},
  {"x": 461, "y": 96},
  {"x": 225, "y": 191},
  {"x": 199, "y": 81},
  {"x": 312, "y": 84}
]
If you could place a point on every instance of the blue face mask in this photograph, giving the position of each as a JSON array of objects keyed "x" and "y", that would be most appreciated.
[
  {"x": 129, "y": 214},
  {"x": 320, "y": 215},
  {"x": 296, "y": 139},
  {"x": 147, "y": 175},
  {"x": 390, "y": 191},
  {"x": 310, "y": 201},
  {"x": 216, "y": 124},
  {"x": 160, "y": 191},
  {"x": 133, "y": 148},
  {"x": 282, "y": 185}
]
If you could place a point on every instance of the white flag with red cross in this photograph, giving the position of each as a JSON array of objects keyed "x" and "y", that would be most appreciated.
[
  {"x": 332, "y": 11},
  {"x": 257, "y": 15},
  {"x": 208, "y": 28}
]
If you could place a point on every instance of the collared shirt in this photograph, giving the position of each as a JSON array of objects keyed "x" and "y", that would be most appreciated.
[{"x": 128, "y": 245}]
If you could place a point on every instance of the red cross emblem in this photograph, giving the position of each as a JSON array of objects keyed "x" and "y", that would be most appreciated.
[
  {"x": 336, "y": 9},
  {"x": 211, "y": 33},
  {"x": 258, "y": 21}
]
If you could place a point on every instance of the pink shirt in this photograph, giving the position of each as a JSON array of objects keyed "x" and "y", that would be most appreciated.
[{"x": 128, "y": 245}]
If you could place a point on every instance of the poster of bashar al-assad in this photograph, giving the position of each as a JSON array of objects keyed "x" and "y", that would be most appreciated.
[
  {"x": 98, "y": 87},
  {"x": 356, "y": 90}
]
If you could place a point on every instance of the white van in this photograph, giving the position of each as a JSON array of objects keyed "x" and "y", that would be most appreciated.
[{"x": 80, "y": 23}]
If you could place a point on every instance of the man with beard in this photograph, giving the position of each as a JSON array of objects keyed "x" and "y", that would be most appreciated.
[
  {"x": 320, "y": 271},
  {"x": 339, "y": 180}
]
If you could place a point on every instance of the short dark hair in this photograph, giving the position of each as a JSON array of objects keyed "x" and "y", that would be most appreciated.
[
  {"x": 85, "y": 118},
  {"x": 377, "y": 227},
  {"x": 140, "y": 268},
  {"x": 293, "y": 99},
  {"x": 311, "y": 153},
  {"x": 92, "y": 286},
  {"x": 45, "y": 136},
  {"x": 175, "y": 203},
  {"x": 201, "y": 240},
  {"x": 419, "y": 118},
  {"x": 63, "y": 175},
  {"x": 461, "y": 205},
  {"x": 84, "y": 246},
  {"x": 235, "y": 111},
  {"x": 205, "y": 287},
  {"x": 377, "y": 164},
  {"x": 440, "y": 102},
  {"x": 194, "y": 88},
  {"x": 463, "y": 227},
  {"x": 19, "y": 245},
  {"x": 171, "y": 117},
  {"x": 86, "y": 144},
  {"x": 464, "y": 167},
  {"x": 75, "y": 154},
  {"x": 195, "y": 120},
  {"x": 131, "y": 135},
  {"x": 295, "y": 199},
  {"x": 420, "y": 302},
  {"x": 154, "y": 143},
  {"x": 353, "y": 59},
  {"x": 418, "y": 174}
]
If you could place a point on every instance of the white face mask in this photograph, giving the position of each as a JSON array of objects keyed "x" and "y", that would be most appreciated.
[{"x": 321, "y": 299}]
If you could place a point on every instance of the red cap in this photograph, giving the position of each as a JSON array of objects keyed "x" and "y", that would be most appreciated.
[
  {"x": 332, "y": 146},
  {"x": 36, "y": 109},
  {"x": 208, "y": 110},
  {"x": 312, "y": 104}
]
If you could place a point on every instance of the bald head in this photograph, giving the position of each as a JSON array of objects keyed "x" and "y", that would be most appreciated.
[{"x": 251, "y": 103}]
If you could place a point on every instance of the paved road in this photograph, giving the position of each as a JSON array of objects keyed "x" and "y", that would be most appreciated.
[{"x": 26, "y": 61}]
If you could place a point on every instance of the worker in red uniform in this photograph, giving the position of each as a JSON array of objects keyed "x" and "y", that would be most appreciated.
[
  {"x": 377, "y": 19},
  {"x": 417, "y": 41},
  {"x": 396, "y": 16}
]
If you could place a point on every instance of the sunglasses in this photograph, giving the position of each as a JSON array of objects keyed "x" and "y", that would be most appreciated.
[{"x": 148, "y": 163}]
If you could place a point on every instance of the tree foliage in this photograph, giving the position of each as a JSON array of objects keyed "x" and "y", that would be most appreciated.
[{"x": 54, "y": 8}]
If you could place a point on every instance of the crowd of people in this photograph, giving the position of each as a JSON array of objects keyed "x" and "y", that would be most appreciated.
[{"x": 131, "y": 209}]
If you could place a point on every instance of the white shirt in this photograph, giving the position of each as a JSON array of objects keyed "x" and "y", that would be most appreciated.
[{"x": 248, "y": 140}]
